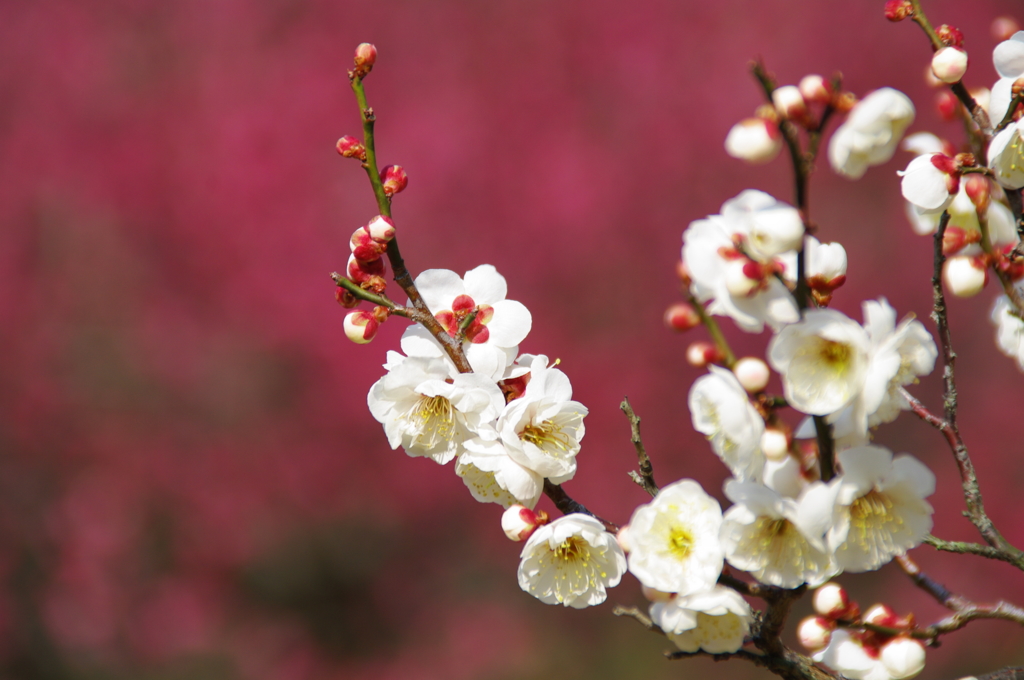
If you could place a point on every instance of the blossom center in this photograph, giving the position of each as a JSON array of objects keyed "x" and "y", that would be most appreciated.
[
  {"x": 437, "y": 418},
  {"x": 548, "y": 437},
  {"x": 836, "y": 355},
  {"x": 572, "y": 549},
  {"x": 468, "y": 318},
  {"x": 680, "y": 542}
]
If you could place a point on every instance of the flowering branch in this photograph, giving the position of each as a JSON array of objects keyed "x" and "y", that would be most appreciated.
[
  {"x": 714, "y": 330},
  {"x": 977, "y": 112},
  {"x": 645, "y": 478},
  {"x": 451, "y": 345},
  {"x": 363, "y": 294},
  {"x": 803, "y": 165}
]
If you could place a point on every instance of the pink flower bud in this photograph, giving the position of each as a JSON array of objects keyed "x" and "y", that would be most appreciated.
[
  {"x": 364, "y": 248},
  {"x": 898, "y": 10},
  {"x": 361, "y": 326},
  {"x": 682, "y": 317},
  {"x": 882, "y": 615},
  {"x": 949, "y": 35},
  {"x": 752, "y": 373},
  {"x": 964, "y": 275},
  {"x": 350, "y": 147},
  {"x": 903, "y": 657},
  {"x": 754, "y": 140},
  {"x": 831, "y": 600},
  {"x": 700, "y": 354},
  {"x": 360, "y": 271},
  {"x": 519, "y": 522},
  {"x": 394, "y": 179},
  {"x": 979, "y": 190},
  {"x": 789, "y": 102},
  {"x": 366, "y": 57},
  {"x": 381, "y": 229},
  {"x": 815, "y": 89},
  {"x": 947, "y": 105},
  {"x": 956, "y": 239},
  {"x": 738, "y": 281},
  {"x": 949, "y": 64},
  {"x": 775, "y": 444},
  {"x": 814, "y": 632},
  {"x": 345, "y": 298},
  {"x": 1003, "y": 28}
]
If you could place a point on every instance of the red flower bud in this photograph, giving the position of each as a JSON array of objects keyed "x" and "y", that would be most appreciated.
[
  {"x": 394, "y": 179},
  {"x": 682, "y": 317},
  {"x": 350, "y": 147},
  {"x": 898, "y": 10},
  {"x": 949, "y": 35}
]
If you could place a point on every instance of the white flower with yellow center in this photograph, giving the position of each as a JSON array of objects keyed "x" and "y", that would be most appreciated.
[
  {"x": 880, "y": 507},
  {"x": 722, "y": 412},
  {"x": 571, "y": 561},
  {"x": 716, "y": 620},
  {"x": 493, "y": 477},
  {"x": 674, "y": 544},
  {"x": 542, "y": 429},
  {"x": 429, "y": 414},
  {"x": 781, "y": 541},
  {"x": 823, "y": 361}
]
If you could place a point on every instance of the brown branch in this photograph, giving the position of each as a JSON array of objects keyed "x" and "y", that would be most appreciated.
[
  {"x": 964, "y": 610},
  {"x": 567, "y": 505},
  {"x": 645, "y": 478}
]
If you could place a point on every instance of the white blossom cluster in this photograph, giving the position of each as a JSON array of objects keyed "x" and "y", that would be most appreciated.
[{"x": 512, "y": 424}]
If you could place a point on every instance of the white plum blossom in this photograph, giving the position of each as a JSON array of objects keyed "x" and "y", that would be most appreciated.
[
  {"x": 492, "y": 476},
  {"x": 871, "y": 133},
  {"x": 834, "y": 359},
  {"x": 571, "y": 561},
  {"x": 716, "y": 620},
  {"x": 823, "y": 361},
  {"x": 673, "y": 540},
  {"x": 731, "y": 260},
  {"x": 1009, "y": 329},
  {"x": 492, "y": 336},
  {"x": 542, "y": 429},
  {"x": 929, "y": 183},
  {"x": 964, "y": 275},
  {"x": 784, "y": 476},
  {"x": 897, "y": 355},
  {"x": 880, "y": 507},
  {"x": 1006, "y": 155},
  {"x": 722, "y": 412},
  {"x": 779, "y": 540},
  {"x": 428, "y": 413},
  {"x": 1008, "y": 58}
]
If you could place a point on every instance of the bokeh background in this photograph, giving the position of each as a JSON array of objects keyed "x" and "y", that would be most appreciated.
[{"x": 191, "y": 485}]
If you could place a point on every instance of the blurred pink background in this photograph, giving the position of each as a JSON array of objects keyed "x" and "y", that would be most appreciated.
[{"x": 191, "y": 485}]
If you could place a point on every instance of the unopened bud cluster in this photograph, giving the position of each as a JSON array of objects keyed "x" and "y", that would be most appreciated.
[
  {"x": 837, "y": 637},
  {"x": 366, "y": 268}
]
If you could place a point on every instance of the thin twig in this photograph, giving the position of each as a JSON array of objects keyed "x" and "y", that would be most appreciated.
[
  {"x": 803, "y": 164},
  {"x": 977, "y": 113},
  {"x": 646, "y": 476},
  {"x": 452, "y": 346},
  {"x": 987, "y": 551}
]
